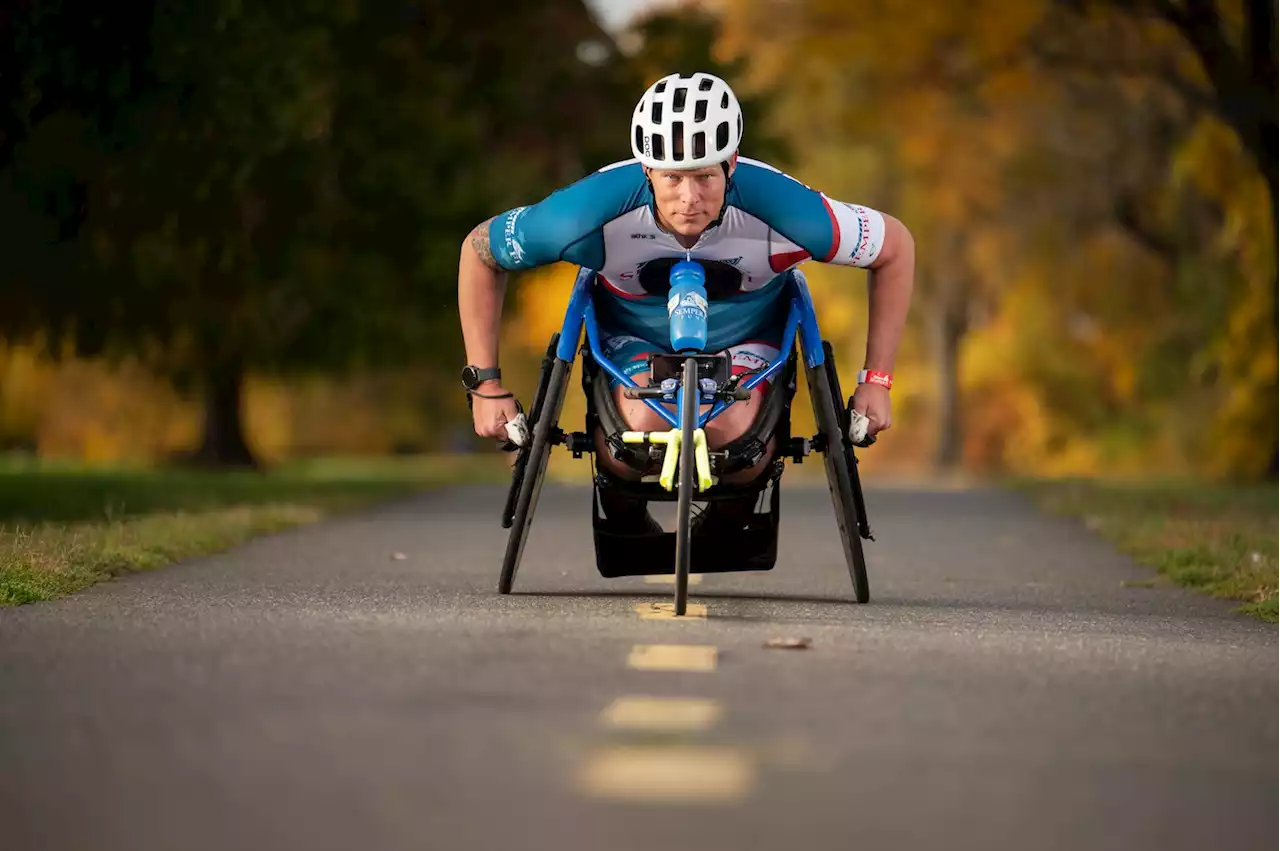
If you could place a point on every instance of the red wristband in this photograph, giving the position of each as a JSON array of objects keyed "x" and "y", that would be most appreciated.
[{"x": 875, "y": 376}]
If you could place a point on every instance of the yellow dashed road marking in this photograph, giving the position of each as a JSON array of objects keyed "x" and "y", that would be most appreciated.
[
  {"x": 688, "y": 775},
  {"x": 667, "y": 611},
  {"x": 672, "y": 657},
  {"x": 670, "y": 579},
  {"x": 659, "y": 713}
]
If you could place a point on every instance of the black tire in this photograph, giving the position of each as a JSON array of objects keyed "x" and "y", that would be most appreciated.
[
  {"x": 535, "y": 411},
  {"x": 839, "y": 479},
  {"x": 684, "y": 498},
  {"x": 536, "y": 467},
  {"x": 842, "y": 413}
]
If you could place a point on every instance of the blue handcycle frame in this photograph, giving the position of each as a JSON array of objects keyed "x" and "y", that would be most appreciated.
[{"x": 801, "y": 320}]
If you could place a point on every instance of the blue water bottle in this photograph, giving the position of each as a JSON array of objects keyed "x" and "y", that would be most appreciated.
[{"x": 687, "y": 307}]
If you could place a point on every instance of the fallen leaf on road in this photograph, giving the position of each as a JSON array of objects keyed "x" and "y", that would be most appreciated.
[
  {"x": 399, "y": 556},
  {"x": 789, "y": 643}
]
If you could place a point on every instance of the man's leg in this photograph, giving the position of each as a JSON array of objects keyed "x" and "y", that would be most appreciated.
[
  {"x": 631, "y": 355},
  {"x": 731, "y": 424}
]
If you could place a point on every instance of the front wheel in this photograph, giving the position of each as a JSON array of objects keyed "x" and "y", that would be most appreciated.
[
  {"x": 536, "y": 466},
  {"x": 684, "y": 498},
  {"x": 535, "y": 411},
  {"x": 839, "y": 479}
]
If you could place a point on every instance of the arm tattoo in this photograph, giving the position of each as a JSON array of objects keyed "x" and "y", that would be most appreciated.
[{"x": 480, "y": 242}]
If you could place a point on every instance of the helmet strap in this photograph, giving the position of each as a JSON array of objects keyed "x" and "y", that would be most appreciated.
[{"x": 724, "y": 205}]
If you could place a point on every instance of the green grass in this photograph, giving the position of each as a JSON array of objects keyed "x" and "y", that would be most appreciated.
[
  {"x": 64, "y": 528},
  {"x": 1218, "y": 539}
]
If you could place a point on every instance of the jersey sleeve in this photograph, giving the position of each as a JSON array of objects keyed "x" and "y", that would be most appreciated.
[
  {"x": 567, "y": 224},
  {"x": 810, "y": 223}
]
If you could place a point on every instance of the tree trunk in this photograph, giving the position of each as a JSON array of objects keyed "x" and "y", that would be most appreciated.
[
  {"x": 1272, "y": 174},
  {"x": 223, "y": 444},
  {"x": 950, "y": 310},
  {"x": 950, "y": 328}
]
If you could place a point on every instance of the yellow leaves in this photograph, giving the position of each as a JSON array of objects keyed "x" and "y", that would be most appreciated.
[
  {"x": 1210, "y": 158},
  {"x": 541, "y": 297},
  {"x": 96, "y": 413},
  {"x": 1214, "y": 162},
  {"x": 23, "y": 390},
  {"x": 88, "y": 411},
  {"x": 839, "y": 298}
]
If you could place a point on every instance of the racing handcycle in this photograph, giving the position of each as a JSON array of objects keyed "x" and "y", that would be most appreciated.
[{"x": 688, "y": 388}]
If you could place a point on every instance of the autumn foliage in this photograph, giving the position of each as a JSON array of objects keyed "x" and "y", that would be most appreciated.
[{"x": 1092, "y": 190}]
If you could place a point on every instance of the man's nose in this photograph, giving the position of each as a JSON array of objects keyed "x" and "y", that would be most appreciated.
[{"x": 690, "y": 195}]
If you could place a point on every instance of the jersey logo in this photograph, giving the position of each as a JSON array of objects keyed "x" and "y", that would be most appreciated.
[
  {"x": 509, "y": 234},
  {"x": 864, "y": 232},
  {"x": 644, "y": 236}
]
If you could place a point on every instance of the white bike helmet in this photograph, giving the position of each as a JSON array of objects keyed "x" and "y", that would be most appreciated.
[{"x": 686, "y": 122}]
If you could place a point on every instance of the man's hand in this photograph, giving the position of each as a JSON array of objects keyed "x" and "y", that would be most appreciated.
[
  {"x": 490, "y": 416},
  {"x": 872, "y": 401}
]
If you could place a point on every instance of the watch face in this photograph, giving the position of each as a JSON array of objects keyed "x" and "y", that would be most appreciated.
[{"x": 469, "y": 376}]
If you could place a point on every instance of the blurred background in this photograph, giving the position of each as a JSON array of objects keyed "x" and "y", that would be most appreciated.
[{"x": 230, "y": 231}]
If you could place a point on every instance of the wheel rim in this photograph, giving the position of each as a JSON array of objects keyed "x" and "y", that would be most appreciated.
[{"x": 684, "y": 505}]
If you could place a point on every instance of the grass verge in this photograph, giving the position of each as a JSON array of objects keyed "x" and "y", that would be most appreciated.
[
  {"x": 1217, "y": 539},
  {"x": 63, "y": 529}
]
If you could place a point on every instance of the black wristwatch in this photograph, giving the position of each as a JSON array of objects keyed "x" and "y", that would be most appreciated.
[{"x": 473, "y": 375}]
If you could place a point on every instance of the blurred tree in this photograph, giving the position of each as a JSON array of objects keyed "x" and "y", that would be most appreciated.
[
  {"x": 940, "y": 131},
  {"x": 1235, "y": 76},
  {"x": 278, "y": 186},
  {"x": 1020, "y": 141}
]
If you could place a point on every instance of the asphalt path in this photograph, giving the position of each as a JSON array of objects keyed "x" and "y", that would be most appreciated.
[{"x": 1007, "y": 687}]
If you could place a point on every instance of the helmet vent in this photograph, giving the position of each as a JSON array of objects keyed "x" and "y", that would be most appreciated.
[
  {"x": 639, "y": 138},
  {"x": 704, "y": 85},
  {"x": 678, "y": 104},
  {"x": 657, "y": 112},
  {"x": 722, "y": 135},
  {"x": 699, "y": 111},
  {"x": 659, "y": 147},
  {"x": 661, "y": 87},
  {"x": 677, "y": 141},
  {"x": 699, "y": 145},
  {"x": 724, "y": 101}
]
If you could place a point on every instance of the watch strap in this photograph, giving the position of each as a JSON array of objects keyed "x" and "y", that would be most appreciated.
[{"x": 473, "y": 376}]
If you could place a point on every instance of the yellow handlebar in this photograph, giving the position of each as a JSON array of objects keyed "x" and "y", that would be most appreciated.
[{"x": 673, "y": 439}]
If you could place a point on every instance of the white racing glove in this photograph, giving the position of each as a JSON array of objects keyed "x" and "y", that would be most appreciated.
[
  {"x": 858, "y": 425},
  {"x": 518, "y": 430}
]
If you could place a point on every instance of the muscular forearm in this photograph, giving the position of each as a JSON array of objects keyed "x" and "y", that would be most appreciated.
[
  {"x": 481, "y": 287},
  {"x": 888, "y": 300}
]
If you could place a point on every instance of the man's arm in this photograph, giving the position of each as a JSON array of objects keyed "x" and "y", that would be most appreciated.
[
  {"x": 891, "y": 281},
  {"x": 563, "y": 226},
  {"x": 844, "y": 234},
  {"x": 482, "y": 285}
]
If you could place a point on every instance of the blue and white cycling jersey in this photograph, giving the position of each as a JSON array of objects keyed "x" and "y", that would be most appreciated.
[{"x": 605, "y": 222}]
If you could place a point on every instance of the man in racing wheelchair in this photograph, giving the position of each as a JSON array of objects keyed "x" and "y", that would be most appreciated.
[{"x": 687, "y": 194}]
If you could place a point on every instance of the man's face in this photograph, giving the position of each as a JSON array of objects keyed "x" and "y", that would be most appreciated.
[{"x": 688, "y": 199}]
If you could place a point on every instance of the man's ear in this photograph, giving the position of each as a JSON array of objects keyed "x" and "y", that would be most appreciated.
[{"x": 733, "y": 164}]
